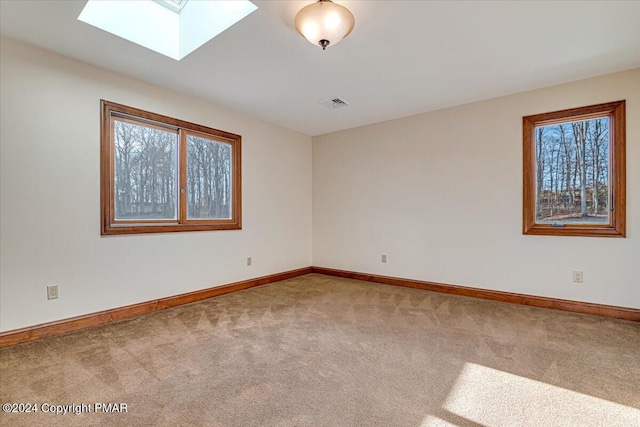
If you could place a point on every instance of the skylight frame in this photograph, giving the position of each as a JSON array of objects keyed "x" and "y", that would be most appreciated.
[{"x": 173, "y": 5}]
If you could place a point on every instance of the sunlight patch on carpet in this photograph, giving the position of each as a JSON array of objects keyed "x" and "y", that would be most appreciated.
[{"x": 494, "y": 398}]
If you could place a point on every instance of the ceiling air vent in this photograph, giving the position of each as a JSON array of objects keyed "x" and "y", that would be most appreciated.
[{"x": 334, "y": 103}]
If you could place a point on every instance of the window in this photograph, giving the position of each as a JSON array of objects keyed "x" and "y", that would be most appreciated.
[
  {"x": 160, "y": 174},
  {"x": 574, "y": 172}
]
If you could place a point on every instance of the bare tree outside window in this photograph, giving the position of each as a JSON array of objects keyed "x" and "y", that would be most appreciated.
[
  {"x": 208, "y": 178},
  {"x": 145, "y": 171},
  {"x": 574, "y": 172}
]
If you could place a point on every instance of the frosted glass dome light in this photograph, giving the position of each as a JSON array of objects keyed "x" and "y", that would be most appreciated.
[{"x": 324, "y": 23}]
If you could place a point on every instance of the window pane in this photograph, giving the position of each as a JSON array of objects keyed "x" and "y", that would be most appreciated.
[
  {"x": 145, "y": 172},
  {"x": 572, "y": 172},
  {"x": 208, "y": 178}
]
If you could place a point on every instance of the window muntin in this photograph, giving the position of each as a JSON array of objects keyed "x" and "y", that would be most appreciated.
[
  {"x": 161, "y": 174},
  {"x": 574, "y": 172}
]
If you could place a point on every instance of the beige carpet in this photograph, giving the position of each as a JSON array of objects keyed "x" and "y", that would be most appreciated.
[{"x": 321, "y": 351}]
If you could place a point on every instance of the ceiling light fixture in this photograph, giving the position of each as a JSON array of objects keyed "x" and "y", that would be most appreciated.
[{"x": 324, "y": 23}]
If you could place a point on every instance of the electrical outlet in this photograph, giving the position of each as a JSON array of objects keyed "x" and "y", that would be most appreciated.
[
  {"x": 577, "y": 277},
  {"x": 249, "y": 261},
  {"x": 384, "y": 259},
  {"x": 52, "y": 292}
]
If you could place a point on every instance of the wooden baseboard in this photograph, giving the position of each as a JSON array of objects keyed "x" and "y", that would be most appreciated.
[
  {"x": 18, "y": 336},
  {"x": 625, "y": 313}
]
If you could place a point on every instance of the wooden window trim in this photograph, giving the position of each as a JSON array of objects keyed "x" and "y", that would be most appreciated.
[
  {"x": 110, "y": 226},
  {"x": 615, "y": 111}
]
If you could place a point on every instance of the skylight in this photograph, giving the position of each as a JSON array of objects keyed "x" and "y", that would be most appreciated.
[{"x": 174, "y": 28}]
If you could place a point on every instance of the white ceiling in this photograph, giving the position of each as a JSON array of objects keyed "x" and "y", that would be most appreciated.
[{"x": 403, "y": 57}]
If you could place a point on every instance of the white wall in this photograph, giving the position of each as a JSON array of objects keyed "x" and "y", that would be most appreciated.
[
  {"x": 441, "y": 194},
  {"x": 50, "y": 203}
]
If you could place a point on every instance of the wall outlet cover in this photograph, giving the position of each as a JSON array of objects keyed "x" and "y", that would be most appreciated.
[{"x": 52, "y": 292}]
